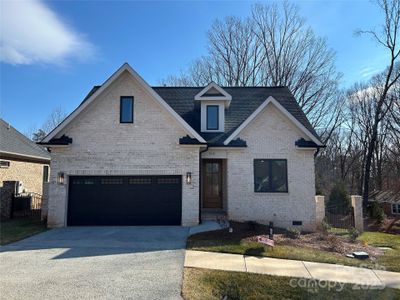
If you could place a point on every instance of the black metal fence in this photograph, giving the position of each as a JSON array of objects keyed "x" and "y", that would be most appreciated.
[
  {"x": 29, "y": 205},
  {"x": 340, "y": 216}
]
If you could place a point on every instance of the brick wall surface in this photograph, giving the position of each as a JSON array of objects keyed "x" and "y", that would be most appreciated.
[
  {"x": 103, "y": 146},
  {"x": 31, "y": 174},
  {"x": 270, "y": 135}
]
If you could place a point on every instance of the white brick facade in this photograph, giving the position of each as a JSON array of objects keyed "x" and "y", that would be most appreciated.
[
  {"x": 103, "y": 146},
  {"x": 270, "y": 135},
  {"x": 149, "y": 146}
]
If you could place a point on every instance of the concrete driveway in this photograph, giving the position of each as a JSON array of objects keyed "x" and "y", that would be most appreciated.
[{"x": 95, "y": 263}]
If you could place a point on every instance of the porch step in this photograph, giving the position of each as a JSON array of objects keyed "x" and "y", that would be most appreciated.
[{"x": 219, "y": 217}]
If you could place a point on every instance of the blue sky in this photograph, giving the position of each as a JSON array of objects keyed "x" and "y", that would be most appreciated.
[{"x": 66, "y": 47}]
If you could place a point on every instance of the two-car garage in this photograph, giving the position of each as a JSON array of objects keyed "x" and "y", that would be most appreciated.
[{"x": 124, "y": 200}]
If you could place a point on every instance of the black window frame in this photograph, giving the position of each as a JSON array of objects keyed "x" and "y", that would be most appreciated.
[
  {"x": 208, "y": 128},
  {"x": 46, "y": 173},
  {"x": 5, "y": 164},
  {"x": 120, "y": 109},
  {"x": 270, "y": 188}
]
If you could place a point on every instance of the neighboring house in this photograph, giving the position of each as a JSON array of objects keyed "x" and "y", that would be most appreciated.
[
  {"x": 388, "y": 200},
  {"x": 21, "y": 160},
  {"x": 132, "y": 154}
]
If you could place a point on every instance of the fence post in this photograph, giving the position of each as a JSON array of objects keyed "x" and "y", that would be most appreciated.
[
  {"x": 356, "y": 203},
  {"x": 320, "y": 210}
]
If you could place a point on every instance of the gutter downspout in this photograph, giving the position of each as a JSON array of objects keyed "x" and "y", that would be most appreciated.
[{"x": 200, "y": 176}]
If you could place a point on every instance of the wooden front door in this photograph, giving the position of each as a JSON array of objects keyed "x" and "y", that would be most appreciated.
[{"x": 212, "y": 184}]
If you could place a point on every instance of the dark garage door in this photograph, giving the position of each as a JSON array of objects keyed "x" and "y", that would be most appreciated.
[{"x": 124, "y": 200}]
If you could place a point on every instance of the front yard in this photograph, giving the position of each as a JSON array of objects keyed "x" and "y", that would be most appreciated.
[
  {"x": 317, "y": 247},
  {"x": 17, "y": 229},
  {"x": 211, "y": 284}
]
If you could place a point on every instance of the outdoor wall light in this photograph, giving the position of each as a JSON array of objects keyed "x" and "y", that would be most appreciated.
[
  {"x": 60, "y": 178},
  {"x": 188, "y": 177}
]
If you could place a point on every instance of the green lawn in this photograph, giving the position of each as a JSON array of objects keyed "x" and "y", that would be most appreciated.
[
  {"x": 391, "y": 259},
  {"x": 211, "y": 284},
  {"x": 20, "y": 228},
  {"x": 222, "y": 241}
]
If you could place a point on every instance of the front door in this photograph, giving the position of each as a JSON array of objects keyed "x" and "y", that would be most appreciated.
[{"x": 212, "y": 184}]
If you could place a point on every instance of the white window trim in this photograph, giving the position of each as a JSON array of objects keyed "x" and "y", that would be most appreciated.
[
  {"x": 200, "y": 95},
  {"x": 221, "y": 116}
]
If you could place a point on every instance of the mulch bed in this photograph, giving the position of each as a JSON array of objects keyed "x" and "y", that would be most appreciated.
[
  {"x": 314, "y": 240},
  {"x": 325, "y": 242}
]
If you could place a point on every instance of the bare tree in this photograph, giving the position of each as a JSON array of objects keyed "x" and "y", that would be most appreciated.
[
  {"x": 272, "y": 47},
  {"x": 55, "y": 117},
  {"x": 52, "y": 121},
  {"x": 384, "y": 82}
]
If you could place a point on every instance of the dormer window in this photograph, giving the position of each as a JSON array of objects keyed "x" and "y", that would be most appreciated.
[
  {"x": 212, "y": 117},
  {"x": 214, "y": 100}
]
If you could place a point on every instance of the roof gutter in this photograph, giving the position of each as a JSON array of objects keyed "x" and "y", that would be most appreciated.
[{"x": 6, "y": 154}]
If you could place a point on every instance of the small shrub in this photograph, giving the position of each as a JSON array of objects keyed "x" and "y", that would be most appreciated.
[
  {"x": 325, "y": 225},
  {"x": 377, "y": 213},
  {"x": 293, "y": 233},
  {"x": 339, "y": 200},
  {"x": 334, "y": 243},
  {"x": 354, "y": 234}
]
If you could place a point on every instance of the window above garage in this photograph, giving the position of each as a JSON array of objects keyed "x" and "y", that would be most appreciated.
[{"x": 126, "y": 109}]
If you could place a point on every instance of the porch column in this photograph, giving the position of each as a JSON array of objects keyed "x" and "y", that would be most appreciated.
[
  {"x": 356, "y": 203},
  {"x": 320, "y": 210}
]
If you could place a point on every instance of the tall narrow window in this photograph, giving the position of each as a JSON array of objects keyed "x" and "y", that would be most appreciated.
[
  {"x": 45, "y": 173},
  {"x": 212, "y": 117},
  {"x": 270, "y": 175},
  {"x": 126, "y": 109}
]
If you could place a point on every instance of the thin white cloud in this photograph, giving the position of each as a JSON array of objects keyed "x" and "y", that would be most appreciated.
[
  {"x": 369, "y": 71},
  {"x": 32, "y": 33}
]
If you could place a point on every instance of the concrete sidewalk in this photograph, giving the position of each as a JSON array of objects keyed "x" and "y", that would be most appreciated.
[{"x": 291, "y": 268}]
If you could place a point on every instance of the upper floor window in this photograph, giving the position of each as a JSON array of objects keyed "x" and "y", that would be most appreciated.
[
  {"x": 126, "y": 109},
  {"x": 270, "y": 175},
  {"x": 212, "y": 117}
]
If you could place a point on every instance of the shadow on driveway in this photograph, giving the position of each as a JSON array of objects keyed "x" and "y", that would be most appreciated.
[
  {"x": 100, "y": 241},
  {"x": 95, "y": 263}
]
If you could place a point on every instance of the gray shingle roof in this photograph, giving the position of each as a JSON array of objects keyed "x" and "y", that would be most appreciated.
[
  {"x": 245, "y": 100},
  {"x": 12, "y": 141}
]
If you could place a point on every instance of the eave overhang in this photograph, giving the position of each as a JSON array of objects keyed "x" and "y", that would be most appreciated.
[
  {"x": 302, "y": 143},
  {"x": 62, "y": 141}
]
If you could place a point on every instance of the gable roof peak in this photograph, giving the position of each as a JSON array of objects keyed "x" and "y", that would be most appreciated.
[
  {"x": 125, "y": 67},
  {"x": 218, "y": 94}
]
